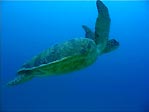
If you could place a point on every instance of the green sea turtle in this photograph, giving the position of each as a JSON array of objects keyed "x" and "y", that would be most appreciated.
[{"x": 71, "y": 55}]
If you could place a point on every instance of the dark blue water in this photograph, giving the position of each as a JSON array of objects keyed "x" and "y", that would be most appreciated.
[{"x": 117, "y": 81}]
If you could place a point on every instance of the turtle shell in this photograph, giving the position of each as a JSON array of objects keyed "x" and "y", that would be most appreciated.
[{"x": 61, "y": 58}]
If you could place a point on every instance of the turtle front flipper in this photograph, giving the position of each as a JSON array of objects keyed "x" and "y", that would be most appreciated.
[
  {"x": 88, "y": 32},
  {"x": 20, "y": 79},
  {"x": 102, "y": 26}
]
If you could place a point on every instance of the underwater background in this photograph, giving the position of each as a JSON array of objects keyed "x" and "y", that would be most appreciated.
[{"x": 117, "y": 81}]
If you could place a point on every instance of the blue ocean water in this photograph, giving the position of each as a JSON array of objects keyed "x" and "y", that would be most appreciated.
[{"x": 117, "y": 81}]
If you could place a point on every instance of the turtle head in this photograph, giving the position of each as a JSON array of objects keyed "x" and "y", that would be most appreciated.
[{"x": 111, "y": 45}]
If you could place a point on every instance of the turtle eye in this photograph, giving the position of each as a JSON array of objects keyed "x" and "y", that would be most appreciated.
[{"x": 114, "y": 42}]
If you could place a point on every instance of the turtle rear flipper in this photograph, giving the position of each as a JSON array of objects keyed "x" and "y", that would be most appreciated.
[{"x": 20, "y": 79}]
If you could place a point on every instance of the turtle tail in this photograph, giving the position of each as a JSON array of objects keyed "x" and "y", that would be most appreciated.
[{"x": 19, "y": 79}]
